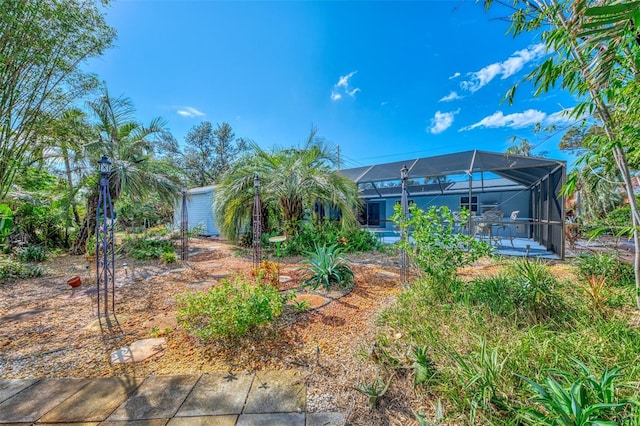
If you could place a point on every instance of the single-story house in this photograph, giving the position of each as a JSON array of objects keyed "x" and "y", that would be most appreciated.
[
  {"x": 200, "y": 214},
  {"x": 476, "y": 180}
]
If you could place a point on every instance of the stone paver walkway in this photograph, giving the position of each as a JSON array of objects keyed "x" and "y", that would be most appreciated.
[{"x": 240, "y": 399}]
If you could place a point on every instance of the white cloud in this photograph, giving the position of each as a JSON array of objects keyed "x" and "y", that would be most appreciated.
[
  {"x": 450, "y": 97},
  {"x": 383, "y": 103},
  {"x": 516, "y": 120},
  {"x": 190, "y": 112},
  {"x": 353, "y": 92},
  {"x": 455, "y": 75},
  {"x": 441, "y": 121},
  {"x": 344, "y": 87},
  {"x": 343, "y": 81},
  {"x": 504, "y": 69},
  {"x": 527, "y": 118},
  {"x": 563, "y": 117}
]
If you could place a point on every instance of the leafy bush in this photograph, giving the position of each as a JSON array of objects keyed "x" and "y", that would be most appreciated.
[
  {"x": 325, "y": 266},
  {"x": 169, "y": 257},
  {"x": 229, "y": 310},
  {"x": 141, "y": 248},
  {"x": 438, "y": 250},
  {"x": 582, "y": 400},
  {"x": 10, "y": 270},
  {"x": 329, "y": 232},
  {"x": 608, "y": 265},
  {"x": 6, "y": 223},
  {"x": 32, "y": 254}
]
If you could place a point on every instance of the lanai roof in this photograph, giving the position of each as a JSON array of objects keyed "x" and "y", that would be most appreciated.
[{"x": 525, "y": 171}]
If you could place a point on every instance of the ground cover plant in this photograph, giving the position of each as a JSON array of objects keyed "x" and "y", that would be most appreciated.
[{"x": 150, "y": 248}]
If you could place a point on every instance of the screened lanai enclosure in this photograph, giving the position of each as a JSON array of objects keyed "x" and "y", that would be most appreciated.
[{"x": 515, "y": 201}]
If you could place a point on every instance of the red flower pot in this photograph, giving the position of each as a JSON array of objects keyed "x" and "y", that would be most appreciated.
[{"x": 74, "y": 282}]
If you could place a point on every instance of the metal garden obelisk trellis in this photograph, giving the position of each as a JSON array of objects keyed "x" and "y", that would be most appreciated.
[
  {"x": 184, "y": 228},
  {"x": 105, "y": 255},
  {"x": 257, "y": 223},
  {"x": 404, "y": 203}
]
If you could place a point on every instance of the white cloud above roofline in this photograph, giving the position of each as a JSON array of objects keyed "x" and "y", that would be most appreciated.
[
  {"x": 452, "y": 96},
  {"x": 505, "y": 69},
  {"x": 190, "y": 112},
  {"x": 527, "y": 118},
  {"x": 441, "y": 121},
  {"x": 343, "y": 87}
]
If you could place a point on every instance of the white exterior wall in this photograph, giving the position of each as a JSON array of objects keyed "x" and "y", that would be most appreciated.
[{"x": 199, "y": 210}]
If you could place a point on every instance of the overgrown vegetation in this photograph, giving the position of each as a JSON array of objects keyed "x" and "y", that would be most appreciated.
[
  {"x": 328, "y": 232},
  {"x": 487, "y": 332},
  {"x": 616, "y": 271},
  {"x": 145, "y": 248}
]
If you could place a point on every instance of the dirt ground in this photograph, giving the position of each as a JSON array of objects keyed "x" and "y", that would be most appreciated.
[{"x": 49, "y": 329}]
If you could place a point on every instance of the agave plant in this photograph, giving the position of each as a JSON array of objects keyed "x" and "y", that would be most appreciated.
[{"x": 326, "y": 266}]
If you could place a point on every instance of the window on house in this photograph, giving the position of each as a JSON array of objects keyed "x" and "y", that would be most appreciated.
[{"x": 464, "y": 204}]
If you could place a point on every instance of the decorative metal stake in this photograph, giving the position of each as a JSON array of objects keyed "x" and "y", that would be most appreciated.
[
  {"x": 257, "y": 223},
  {"x": 105, "y": 254},
  {"x": 184, "y": 228},
  {"x": 404, "y": 203}
]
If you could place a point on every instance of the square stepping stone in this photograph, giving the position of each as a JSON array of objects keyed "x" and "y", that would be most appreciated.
[
  {"x": 204, "y": 421},
  {"x": 95, "y": 401},
  {"x": 216, "y": 394},
  {"x": 148, "y": 422},
  {"x": 33, "y": 402},
  {"x": 273, "y": 419},
  {"x": 325, "y": 419},
  {"x": 159, "y": 397},
  {"x": 10, "y": 387},
  {"x": 276, "y": 392}
]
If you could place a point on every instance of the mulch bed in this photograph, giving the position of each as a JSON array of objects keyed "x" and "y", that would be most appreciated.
[{"x": 46, "y": 329}]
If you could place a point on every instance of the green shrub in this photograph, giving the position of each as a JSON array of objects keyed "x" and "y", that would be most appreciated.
[
  {"x": 326, "y": 267},
  {"x": 169, "y": 257},
  {"x": 536, "y": 289},
  {"x": 142, "y": 248},
  {"x": 437, "y": 249},
  {"x": 10, "y": 270},
  {"x": 329, "y": 232},
  {"x": 32, "y": 254},
  {"x": 229, "y": 310},
  {"x": 616, "y": 271}
]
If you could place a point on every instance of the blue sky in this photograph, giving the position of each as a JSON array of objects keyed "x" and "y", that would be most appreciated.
[{"x": 385, "y": 81}]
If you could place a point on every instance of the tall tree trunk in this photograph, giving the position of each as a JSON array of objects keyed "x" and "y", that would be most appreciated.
[
  {"x": 88, "y": 227},
  {"x": 72, "y": 200}
]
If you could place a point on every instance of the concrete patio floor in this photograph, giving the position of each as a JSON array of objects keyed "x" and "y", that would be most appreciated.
[{"x": 240, "y": 399}]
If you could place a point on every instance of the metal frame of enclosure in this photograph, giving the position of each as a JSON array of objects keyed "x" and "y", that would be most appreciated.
[{"x": 540, "y": 178}]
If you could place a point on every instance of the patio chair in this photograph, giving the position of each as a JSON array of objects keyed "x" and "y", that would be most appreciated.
[
  {"x": 487, "y": 222},
  {"x": 511, "y": 226}
]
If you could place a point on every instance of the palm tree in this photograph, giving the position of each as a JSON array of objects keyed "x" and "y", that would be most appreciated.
[
  {"x": 129, "y": 145},
  {"x": 291, "y": 180}
]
